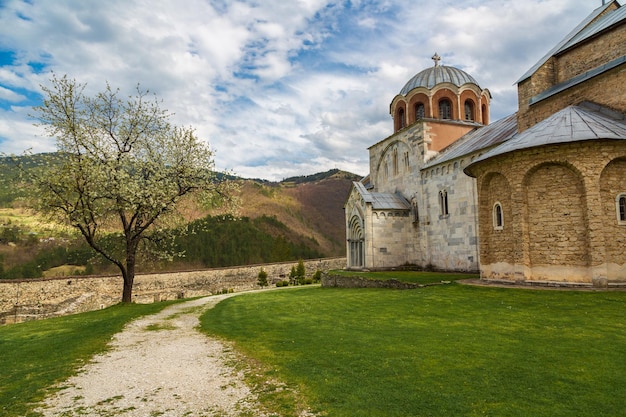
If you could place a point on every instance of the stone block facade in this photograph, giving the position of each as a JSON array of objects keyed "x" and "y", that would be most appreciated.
[
  {"x": 451, "y": 238},
  {"x": 560, "y": 213},
  {"x": 22, "y": 300},
  {"x": 607, "y": 90}
]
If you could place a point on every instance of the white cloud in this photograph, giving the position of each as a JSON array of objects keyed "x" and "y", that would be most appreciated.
[
  {"x": 279, "y": 88},
  {"x": 10, "y": 95}
]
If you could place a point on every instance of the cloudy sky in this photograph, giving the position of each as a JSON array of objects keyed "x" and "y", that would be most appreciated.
[{"x": 277, "y": 87}]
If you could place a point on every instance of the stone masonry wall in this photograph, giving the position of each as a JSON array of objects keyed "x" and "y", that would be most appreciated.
[
  {"x": 587, "y": 56},
  {"x": 562, "y": 218},
  {"x": 342, "y": 281},
  {"x": 606, "y": 89},
  {"x": 22, "y": 300}
]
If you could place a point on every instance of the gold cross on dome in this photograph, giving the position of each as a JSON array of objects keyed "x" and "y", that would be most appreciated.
[{"x": 436, "y": 58}]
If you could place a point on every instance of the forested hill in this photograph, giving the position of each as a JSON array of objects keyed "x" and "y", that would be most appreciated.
[
  {"x": 299, "y": 217},
  {"x": 310, "y": 206}
]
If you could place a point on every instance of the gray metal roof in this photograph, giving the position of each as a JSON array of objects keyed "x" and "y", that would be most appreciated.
[
  {"x": 572, "y": 124},
  {"x": 476, "y": 140},
  {"x": 382, "y": 201},
  {"x": 438, "y": 74},
  {"x": 610, "y": 19},
  {"x": 568, "y": 40}
]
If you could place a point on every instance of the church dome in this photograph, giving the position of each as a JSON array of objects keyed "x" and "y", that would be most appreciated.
[
  {"x": 432, "y": 76},
  {"x": 446, "y": 93}
]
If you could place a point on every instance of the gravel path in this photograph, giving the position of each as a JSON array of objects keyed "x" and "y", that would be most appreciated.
[{"x": 159, "y": 365}]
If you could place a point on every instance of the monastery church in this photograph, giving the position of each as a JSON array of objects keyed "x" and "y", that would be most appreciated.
[{"x": 536, "y": 197}]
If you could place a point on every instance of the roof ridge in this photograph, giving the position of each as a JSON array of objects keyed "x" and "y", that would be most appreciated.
[{"x": 579, "y": 28}]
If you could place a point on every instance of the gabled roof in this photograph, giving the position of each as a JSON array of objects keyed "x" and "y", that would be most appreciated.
[
  {"x": 583, "y": 31},
  {"x": 382, "y": 201},
  {"x": 482, "y": 138},
  {"x": 610, "y": 19},
  {"x": 587, "y": 121}
]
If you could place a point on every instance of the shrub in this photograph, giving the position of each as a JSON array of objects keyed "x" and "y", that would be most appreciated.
[
  {"x": 317, "y": 276},
  {"x": 262, "y": 278},
  {"x": 292, "y": 276},
  {"x": 300, "y": 269}
]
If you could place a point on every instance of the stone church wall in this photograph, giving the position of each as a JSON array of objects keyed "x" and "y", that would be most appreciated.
[
  {"x": 451, "y": 239},
  {"x": 610, "y": 46},
  {"x": 563, "y": 214},
  {"x": 606, "y": 89},
  {"x": 407, "y": 173},
  {"x": 388, "y": 250},
  {"x": 22, "y": 300}
]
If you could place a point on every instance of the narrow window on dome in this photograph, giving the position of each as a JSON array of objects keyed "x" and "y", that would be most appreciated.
[
  {"x": 420, "y": 111},
  {"x": 498, "y": 218},
  {"x": 445, "y": 109},
  {"x": 469, "y": 110},
  {"x": 620, "y": 206}
]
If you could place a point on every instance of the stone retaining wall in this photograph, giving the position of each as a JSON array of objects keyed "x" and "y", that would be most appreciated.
[
  {"x": 343, "y": 281},
  {"x": 22, "y": 300}
]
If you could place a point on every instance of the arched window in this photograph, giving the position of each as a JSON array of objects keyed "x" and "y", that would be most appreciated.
[
  {"x": 469, "y": 110},
  {"x": 394, "y": 161},
  {"x": 445, "y": 109},
  {"x": 484, "y": 114},
  {"x": 401, "y": 119},
  {"x": 420, "y": 111},
  {"x": 498, "y": 217},
  {"x": 414, "y": 211},
  {"x": 620, "y": 206},
  {"x": 443, "y": 203}
]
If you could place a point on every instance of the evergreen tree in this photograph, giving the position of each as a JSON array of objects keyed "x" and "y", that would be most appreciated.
[{"x": 262, "y": 278}]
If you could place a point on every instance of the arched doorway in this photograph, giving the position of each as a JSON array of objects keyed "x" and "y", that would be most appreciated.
[{"x": 356, "y": 252}]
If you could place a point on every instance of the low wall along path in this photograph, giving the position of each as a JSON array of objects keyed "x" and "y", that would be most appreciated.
[{"x": 22, "y": 300}]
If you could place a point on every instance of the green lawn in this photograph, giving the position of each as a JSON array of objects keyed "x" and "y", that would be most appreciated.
[
  {"x": 37, "y": 354},
  {"x": 450, "y": 350}
]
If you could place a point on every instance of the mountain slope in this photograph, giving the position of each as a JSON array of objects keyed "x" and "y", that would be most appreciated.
[{"x": 310, "y": 206}]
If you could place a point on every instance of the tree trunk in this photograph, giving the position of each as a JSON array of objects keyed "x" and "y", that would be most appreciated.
[
  {"x": 127, "y": 293},
  {"x": 129, "y": 278}
]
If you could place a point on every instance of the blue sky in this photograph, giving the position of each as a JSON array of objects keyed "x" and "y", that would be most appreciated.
[{"x": 278, "y": 88}]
